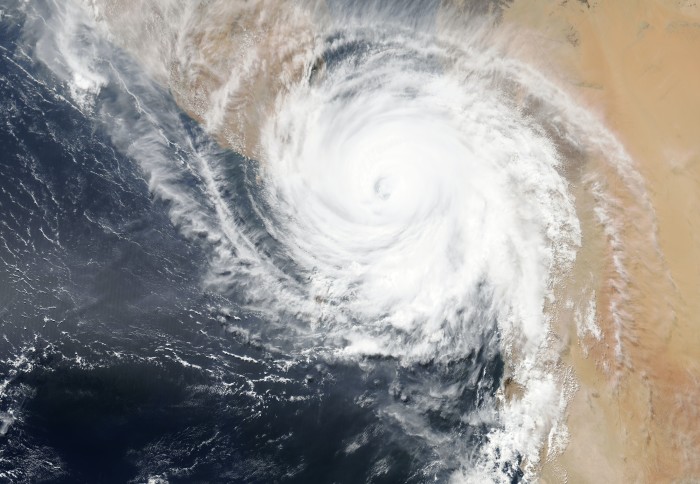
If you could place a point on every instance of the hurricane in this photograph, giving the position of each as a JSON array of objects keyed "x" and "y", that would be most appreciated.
[{"x": 378, "y": 202}]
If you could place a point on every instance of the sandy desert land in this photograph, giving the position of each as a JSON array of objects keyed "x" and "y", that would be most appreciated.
[{"x": 635, "y": 64}]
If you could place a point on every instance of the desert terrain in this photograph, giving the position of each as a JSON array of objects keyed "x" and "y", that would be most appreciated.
[{"x": 634, "y": 64}]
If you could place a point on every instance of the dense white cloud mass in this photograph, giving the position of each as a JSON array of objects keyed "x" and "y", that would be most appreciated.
[{"x": 411, "y": 197}]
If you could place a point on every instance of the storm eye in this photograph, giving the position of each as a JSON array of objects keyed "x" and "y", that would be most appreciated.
[{"x": 383, "y": 188}]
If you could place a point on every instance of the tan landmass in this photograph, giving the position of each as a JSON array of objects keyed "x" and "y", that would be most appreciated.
[
  {"x": 637, "y": 64},
  {"x": 226, "y": 62}
]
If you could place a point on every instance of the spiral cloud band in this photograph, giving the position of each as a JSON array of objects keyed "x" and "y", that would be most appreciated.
[
  {"x": 410, "y": 201},
  {"x": 409, "y": 195}
]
